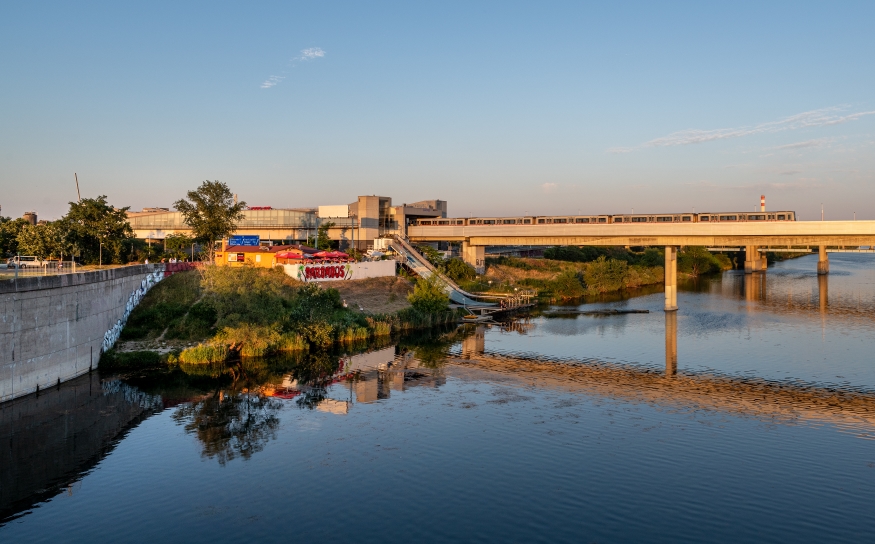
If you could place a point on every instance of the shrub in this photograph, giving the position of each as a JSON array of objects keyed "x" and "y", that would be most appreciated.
[
  {"x": 695, "y": 260},
  {"x": 458, "y": 270},
  {"x": 204, "y": 353},
  {"x": 428, "y": 295},
  {"x": 603, "y": 275},
  {"x": 567, "y": 286}
]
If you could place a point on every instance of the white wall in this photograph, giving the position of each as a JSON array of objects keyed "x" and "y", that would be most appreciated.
[{"x": 341, "y": 271}]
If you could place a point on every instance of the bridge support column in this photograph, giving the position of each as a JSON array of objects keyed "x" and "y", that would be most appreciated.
[
  {"x": 671, "y": 344},
  {"x": 823, "y": 261},
  {"x": 475, "y": 256},
  {"x": 671, "y": 278},
  {"x": 752, "y": 260}
]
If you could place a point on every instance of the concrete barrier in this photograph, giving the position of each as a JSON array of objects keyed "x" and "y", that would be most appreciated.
[{"x": 54, "y": 328}]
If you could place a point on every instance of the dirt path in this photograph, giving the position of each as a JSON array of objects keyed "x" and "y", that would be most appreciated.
[{"x": 374, "y": 295}]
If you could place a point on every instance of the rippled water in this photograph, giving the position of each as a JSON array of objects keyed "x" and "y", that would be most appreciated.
[{"x": 757, "y": 428}]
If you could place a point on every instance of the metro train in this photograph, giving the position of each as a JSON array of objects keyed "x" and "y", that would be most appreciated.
[{"x": 721, "y": 217}]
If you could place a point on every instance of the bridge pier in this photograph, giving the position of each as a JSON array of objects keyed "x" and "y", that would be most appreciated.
[
  {"x": 671, "y": 278},
  {"x": 475, "y": 256},
  {"x": 753, "y": 261},
  {"x": 823, "y": 261}
]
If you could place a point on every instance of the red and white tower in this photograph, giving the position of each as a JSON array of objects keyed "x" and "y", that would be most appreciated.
[{"x": 762, "y": 203}]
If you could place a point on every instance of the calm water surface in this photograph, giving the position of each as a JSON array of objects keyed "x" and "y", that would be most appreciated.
[{"x": 748, "y": 417}]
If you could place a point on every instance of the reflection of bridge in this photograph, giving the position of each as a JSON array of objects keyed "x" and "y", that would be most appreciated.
[
  {"x": 751, "y": 235},
  {"x": 787, "y": 402}
]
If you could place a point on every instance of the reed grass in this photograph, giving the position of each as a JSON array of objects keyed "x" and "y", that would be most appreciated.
[{"x": 204, "y": 353}]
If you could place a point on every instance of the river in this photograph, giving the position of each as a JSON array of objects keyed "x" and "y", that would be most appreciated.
[{"x": 747, "y": 416}]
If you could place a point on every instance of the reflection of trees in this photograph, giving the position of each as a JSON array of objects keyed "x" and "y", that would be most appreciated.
[{"x": 230, "y": 426}]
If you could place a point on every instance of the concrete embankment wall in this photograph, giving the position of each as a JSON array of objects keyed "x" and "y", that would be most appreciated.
[{"x": 52, "y": 328}]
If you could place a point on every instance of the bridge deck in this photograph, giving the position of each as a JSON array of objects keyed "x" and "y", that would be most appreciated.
[{"x": 848, "y": 233}]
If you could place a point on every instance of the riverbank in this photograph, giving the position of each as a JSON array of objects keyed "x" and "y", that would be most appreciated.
[
  {"x": 563, "y": 280},
  {"x": 220, "y": 313}
]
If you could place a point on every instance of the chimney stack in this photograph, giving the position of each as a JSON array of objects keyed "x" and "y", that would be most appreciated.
[{"x": 762, "y": 203}]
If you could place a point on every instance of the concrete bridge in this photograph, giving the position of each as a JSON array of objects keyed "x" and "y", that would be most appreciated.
[{"x": 753, "y": 236}]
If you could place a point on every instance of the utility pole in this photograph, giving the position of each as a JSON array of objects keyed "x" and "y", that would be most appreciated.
[
  {"x": 821, "y": 211},
  {"x": 78, "y": 194}
]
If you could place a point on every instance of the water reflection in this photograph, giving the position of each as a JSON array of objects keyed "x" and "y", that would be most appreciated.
[
  {"x": 671, "y": 343},
  {"x": 50, "y": 440}
]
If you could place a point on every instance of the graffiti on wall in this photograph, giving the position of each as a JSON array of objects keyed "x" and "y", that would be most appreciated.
[
  {"x": 112, "y": 335},
  {"x": 324, "y": 272}
]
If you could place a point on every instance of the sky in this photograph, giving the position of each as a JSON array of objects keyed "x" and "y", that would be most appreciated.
[{"x": 500, "y": 108}]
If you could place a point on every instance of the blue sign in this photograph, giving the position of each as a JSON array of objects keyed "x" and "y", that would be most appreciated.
[{"x": 244, "y": 240}]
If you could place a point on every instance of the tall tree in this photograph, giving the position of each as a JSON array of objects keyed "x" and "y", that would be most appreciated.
[
  {"x": 45, "y": 240},
  {"x": 178, "y": 245},
  {"x": 92, "y": 223},
  {"x": 9, "y": 231},
  {"x": 211, "y": 213}
]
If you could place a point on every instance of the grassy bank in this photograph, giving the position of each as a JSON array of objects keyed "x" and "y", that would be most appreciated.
[
  {"x": 217, "y": 313},
  {"x": 569, "y": 272}
]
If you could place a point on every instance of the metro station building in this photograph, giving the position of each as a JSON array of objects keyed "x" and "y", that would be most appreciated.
[{"x": 354, "y": 225}]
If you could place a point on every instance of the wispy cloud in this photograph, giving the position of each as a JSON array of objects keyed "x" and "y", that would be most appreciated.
[
  {"x": 309, "y": 54},
  {"x": 271, "y": 81},
  {"x": 312, "y": 53},
  {"x": 802, "y": 145},
  {"x": 815, "y": 118}
]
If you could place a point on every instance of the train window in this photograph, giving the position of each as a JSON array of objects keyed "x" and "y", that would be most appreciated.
[
  {"x": 563, "y": 220},
  {"x": 582, "y": 220},
  {"x": 527, "y": 221},
  {"x": 618, "y": 220},
  {"x": 756, "y": 217},
  {"x": 639, "y": 220},
  {"x": 443, "y": 222},
  {"x": 460, "y": 222},
  {"x": 686, "y": 218},
  {"x": 509, "y": 221},
  {"x": 489, "y": 221},
  {"x": 729, "y": 218},
  {"x": 541, "y": 221},
  {"x": 603, "y": 219},
  {"x": 663, "y": 219},
  {"x": 704, "y": 218},
  {"x": 782, "y": 217},
  {"x": 425, "y": 222}
]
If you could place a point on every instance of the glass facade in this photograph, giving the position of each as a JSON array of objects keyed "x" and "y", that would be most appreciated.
[{"x": 252, "y": 219}]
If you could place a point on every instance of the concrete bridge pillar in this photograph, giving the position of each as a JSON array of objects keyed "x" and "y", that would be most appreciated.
[
  {"x": 671, "y": 344},
  {"x": 753, "y": 262},
  {"x": 475, "y": 256},
  {"x": 823, "y": 261},
  {"x": 671, "y": 278}
]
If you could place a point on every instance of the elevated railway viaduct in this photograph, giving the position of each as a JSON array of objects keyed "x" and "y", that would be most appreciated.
[{"x": 753, "y": 236}]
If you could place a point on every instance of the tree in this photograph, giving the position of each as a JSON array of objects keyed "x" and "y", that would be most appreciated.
[
  {"x": 9, "y": 231},
  {"x": 44, "y": 240},
  {"x": 98, "y": 231},
  {"x": 211, "y": 213},
  {"x": 178, "y": 245},
  {"x": 428, "y": 295},
  {"x": 322, "y": 240}
]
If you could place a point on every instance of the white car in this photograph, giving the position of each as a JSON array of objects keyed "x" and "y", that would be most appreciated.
[{"x": 26, "y": 261}]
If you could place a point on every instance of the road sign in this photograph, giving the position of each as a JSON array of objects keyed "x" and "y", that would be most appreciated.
[{"x": 246, "y": 240}]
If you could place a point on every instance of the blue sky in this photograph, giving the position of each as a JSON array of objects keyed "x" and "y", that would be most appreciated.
[{"x": 500, "y": 108}]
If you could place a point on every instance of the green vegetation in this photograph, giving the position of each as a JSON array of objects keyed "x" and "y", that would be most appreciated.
[
  {"x": 115, "y": 360},
  {"x": 211, "y": 212},
  {"x": 428, "y": 295},
  {"x": 696, "y": 260},
  {"x": 322, "y": 240},
  {"x": 564, "y": 280},
  {"x": 254, "y": 312}
]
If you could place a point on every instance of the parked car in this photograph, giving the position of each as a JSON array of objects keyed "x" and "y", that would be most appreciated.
[{"x": 26, "y": 261}]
